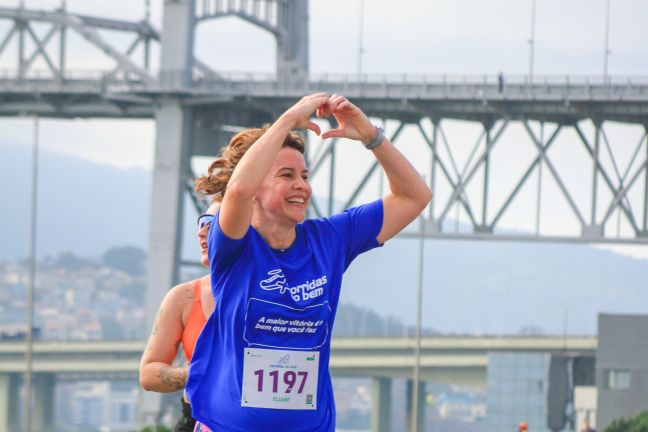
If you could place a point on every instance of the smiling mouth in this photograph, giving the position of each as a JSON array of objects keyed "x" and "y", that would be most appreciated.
[{"x": 296, "y": 200}]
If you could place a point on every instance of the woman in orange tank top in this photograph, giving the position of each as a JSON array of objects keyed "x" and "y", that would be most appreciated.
[{"x": 179, "y": 320}]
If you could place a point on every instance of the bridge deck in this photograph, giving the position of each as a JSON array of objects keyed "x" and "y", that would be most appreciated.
[
  {"x": 553, "y": 99},
  {"x": 457, "y": 358}
]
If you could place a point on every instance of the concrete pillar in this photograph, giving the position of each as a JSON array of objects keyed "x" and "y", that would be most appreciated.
[
  {"x": 420, "y": 418},
  {"x": 381, "y": 404},
  {"x": 172, "y": 149},
  {"x": 292, "y": 45},
  {"x": 172, "y": 143},
  {"x": 9, "y": 398},
  {"x": 5, "y": 397},
  {"x": 177, "y": 44},
  {"x": 43, "y": 414},
  {"x": 169, "y": 176}
]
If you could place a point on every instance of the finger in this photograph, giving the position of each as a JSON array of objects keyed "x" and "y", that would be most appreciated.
[
  {"x": 337, "y": 98},
  {"x": 314, "y": 127},
  {"x": 317, "y": 95},
  {"x": 317, "y": 105},
  {"x": 337, "y": 102},
  {"x": 345, "y": 104},
  {"x": 347, "y": 107},
  {"x": 321, "y": 99},
  {"x": 338, "y": 133},
  {"x": 326, "y": 109}
]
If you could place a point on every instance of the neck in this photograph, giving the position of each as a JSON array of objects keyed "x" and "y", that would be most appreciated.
[{"x": 278, "y": 236}]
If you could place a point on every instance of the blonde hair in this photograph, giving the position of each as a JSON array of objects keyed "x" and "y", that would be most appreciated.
[{"x": 220, "y": 171}]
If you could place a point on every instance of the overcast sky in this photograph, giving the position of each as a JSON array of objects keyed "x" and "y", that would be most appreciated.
[
  {"x": 432, "y": 37},
  {"x": 427, "y": 36}
]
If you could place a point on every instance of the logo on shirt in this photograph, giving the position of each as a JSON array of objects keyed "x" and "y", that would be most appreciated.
[
  {"x": 275, "y": 281},
  {"x": 305, "y": 291}
]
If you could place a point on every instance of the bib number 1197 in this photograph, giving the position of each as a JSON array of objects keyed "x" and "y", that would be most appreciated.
[
  {"x": 290, "y": 378},
  {"x": 280, "y": 379}
]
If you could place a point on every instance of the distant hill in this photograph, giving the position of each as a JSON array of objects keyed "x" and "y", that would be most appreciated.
[
  {"x": 497, "y": 287},
  {"x": 469, "y": 287},
  {"x": 83, "y": 207}
]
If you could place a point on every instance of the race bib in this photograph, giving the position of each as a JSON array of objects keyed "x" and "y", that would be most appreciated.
[{"x": 280, "y": 379}]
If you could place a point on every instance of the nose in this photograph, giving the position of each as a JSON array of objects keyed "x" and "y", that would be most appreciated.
[
  {"x": 202, "y": 232},
  {"x": 302, "y": 183}
]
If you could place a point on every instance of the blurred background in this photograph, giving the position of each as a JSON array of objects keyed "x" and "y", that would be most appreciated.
[{"x": 519, "y": 296}]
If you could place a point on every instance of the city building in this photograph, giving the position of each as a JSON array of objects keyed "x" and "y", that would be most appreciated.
[
  {"x": 537, "y": 388},
  {"x": 621, "y": 367}
]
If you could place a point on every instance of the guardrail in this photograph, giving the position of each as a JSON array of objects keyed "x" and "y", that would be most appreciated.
[{"x": 341, "y": 78}]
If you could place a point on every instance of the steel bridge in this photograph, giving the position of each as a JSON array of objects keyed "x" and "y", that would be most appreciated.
[{"x": 196, "y": 107}]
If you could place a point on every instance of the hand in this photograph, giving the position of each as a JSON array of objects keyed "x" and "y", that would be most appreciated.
[
  {"x": 301, "y": 113},
  {"x": 352, "y": 122}
]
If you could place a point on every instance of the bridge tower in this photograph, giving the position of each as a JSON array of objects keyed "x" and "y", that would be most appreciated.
[
  {"x": 286, "y": 20},
  {"x": 173, "y": 140},
  {"x": 179, "y": 131}
]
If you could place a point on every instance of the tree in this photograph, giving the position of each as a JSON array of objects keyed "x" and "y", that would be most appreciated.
[
  {"x": 635, "y": 424},
  {"x": 129, "y": 259},
  {"x": 69, "y": 261},
  {"x": 155, "y": 429}
]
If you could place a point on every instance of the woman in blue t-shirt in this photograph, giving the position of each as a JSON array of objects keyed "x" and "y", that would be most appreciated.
[{"x": 261, "y": 362}]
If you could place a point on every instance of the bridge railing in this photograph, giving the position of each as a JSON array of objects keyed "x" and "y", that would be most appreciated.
[
  {"x": 450, "y": 79},
  {"x": 474, "y": 87},
  {"x": 436, "y": 86},
  {"x": 390, "y": 78}
]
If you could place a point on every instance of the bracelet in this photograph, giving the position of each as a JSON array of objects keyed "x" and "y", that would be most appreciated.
[{"x": 377, "y": 140}]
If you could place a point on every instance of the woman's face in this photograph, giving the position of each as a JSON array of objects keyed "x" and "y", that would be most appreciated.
[
  {"x": 285, "y": 193},
  {"x": 204, "y": 223}
]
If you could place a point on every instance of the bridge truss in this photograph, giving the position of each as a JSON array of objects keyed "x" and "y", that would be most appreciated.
[
  {"x": 576, "y": 181},
  {"x": 546, "y": 109}
]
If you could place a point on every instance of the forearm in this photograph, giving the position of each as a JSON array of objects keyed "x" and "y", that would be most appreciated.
[
  {"x": 163, "y": 378},
  {"x": 404, "y": 181},
  {"x": 409, "y": 193},
  {"x": 255, "y": 164}
]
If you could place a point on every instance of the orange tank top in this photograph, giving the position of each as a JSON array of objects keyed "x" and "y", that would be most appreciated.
[{"x": 195, "y": 323}]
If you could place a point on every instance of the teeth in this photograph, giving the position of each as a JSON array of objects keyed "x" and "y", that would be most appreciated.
[{"x": 296, "y": 200}]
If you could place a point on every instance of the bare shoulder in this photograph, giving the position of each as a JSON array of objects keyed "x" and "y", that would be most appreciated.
[
  {"x": 180, "y": 297},
  {"x": 205, "y": 285},
  {"x": 206, "y": 296},
  {"x": 184, "y": 290}
]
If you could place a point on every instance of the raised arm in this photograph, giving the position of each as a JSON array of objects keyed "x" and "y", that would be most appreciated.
[
  {"x": 408, "y": 192},
  {"x": 236, "y": 210},
  {"x": 157, "y": 372}
]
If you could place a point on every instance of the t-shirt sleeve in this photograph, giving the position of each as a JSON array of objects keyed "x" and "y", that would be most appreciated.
[
  {"x": 221, "y": 249},
  {"x": 358, "y": 228}
]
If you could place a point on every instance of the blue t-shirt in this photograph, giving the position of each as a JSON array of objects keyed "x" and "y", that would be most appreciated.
[{"x": 254, "y": 285}]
